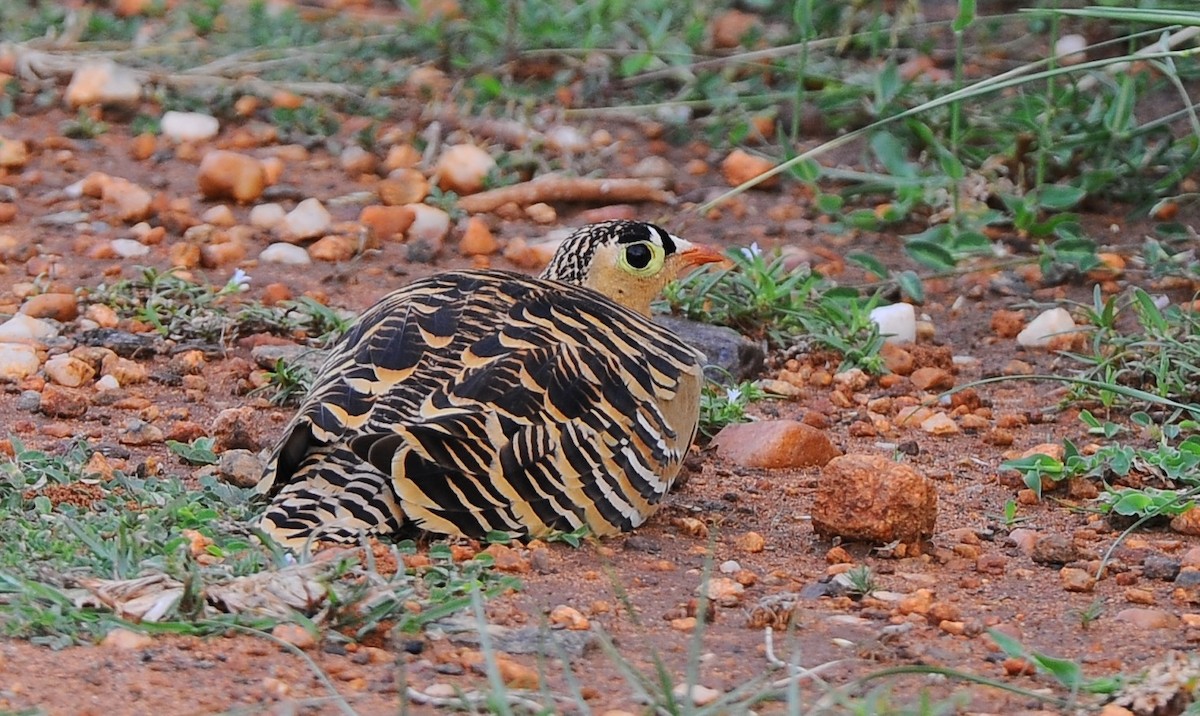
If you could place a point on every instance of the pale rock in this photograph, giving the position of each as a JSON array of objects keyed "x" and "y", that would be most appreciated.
[
  {"x": 17, "y": 361},
  {"x": 189, "y": 126},
  {"x": 869, "y": 497},
  {"x": 103, "y": 82},
  {"x": 129, "y": 248},
  {"x": 939, "y": 424},
  {"x": 267, "y": 216},
  {"x": 897, "y": 322},
  {"x": 22, "y": 328},
  {"x": 295, "y": 635},
  {"x": 68, "y": 371},
  {"x": 463, "y": 168},
  {"x": 697, "y": 694},
  {"x": 774, "y": 444},
  {"x": 730, "y": 566},
  {"x": 355, "y": 160},
  {"x": 653, "y": 167},
  {"x": 565, "y": 139},
  {"x": 429, "y": 223},
  {"x": 285, "y": 253},
  {"x": 1045, "y": 327},
  {"x": 1071, "y": 49},
  {"x": 107, "y": 382},
  {"x": 310, "y": 218},
  {"x": 219, "y": 215}
]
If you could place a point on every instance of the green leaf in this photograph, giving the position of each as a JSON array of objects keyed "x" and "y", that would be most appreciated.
[
  {"x": 829, "y": 203},
  {"x": 930, "y": 254},
  {"x": 869, "y": 262},
  {"x": 911, "y": 285},
  {"x": 892, "y": 155},
  {"x": 965, "y": 16},
  {"x": 1059, "y": 197}
]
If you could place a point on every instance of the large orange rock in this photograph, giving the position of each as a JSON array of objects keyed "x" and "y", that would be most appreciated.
[
  {"x": 230, "y": 175},
  {"x": 774, "y": 444},
  {"x": 874, "y": 499}
]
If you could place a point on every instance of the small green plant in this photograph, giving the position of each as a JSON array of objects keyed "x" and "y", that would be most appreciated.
[
  {"x": 573, "y": 538},
  {"x": 198, "y": 452},
  {"x": 83, "y": 126},
  {"x": 1089, "y": 614},
  {"x": 286, "y": 383},
  {"x": 721, "y": 405},
  {"x": 861, "y": 580}
]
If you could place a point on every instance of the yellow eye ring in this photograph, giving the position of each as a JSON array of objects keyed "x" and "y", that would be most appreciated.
[{"x": 642, "y": 258}]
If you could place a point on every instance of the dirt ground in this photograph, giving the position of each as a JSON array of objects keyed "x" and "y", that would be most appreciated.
[{"x": 974, "y": 576}]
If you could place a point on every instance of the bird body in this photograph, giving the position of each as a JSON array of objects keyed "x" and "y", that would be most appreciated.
[{"x": 479, "y": 401}]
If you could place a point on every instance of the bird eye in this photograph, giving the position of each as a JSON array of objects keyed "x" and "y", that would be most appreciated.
[{"x": 638, "y": 255}]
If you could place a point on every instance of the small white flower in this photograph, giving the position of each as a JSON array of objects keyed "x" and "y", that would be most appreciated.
[
  {"x": 733, "y": 395},
  {"x": 752, "y": 251},
  {"x": 239, "y": 281}
]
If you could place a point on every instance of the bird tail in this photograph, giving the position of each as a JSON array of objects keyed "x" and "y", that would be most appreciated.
[{"x": 333, "y": 497}]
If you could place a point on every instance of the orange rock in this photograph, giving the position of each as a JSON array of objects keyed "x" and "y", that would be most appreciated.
[
  {"x": 872, "y": 498},
  {"x": 333, "y": 248},
  {"x": 731, "y": 27},
  {"x": 403, "y": 186},
  {"x": 477, "y": 239},
  {"x": 774, "y": 444},
  {"x": 59, "y": 306},
  {"x": 387, "y": 222},
  {"x": 740, "y": 167},
  {"x": 229, "y": 175}
]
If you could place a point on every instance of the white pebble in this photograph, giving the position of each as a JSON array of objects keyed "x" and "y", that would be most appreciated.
[
  {"x": 21, "y": 328},
  {"x": 107, "y": 382},
  {"x": 463, "y": 168},
  {"x": 189, "y": 126},
  {"x": 17, "y": 361},
  {"x": 1071, "y": 49},
  {"x": 430, "y": 223},
  {"x": 281, "y": 253},
  {"x": 698, "y": 695},
  {"x": 730, "y": 567},
  {"x": 897, "y": 322},
  {"x": 567, "y": 140},
  {"x": 1048, "y": 324},
  {"x": 308, "y": 219},
  {"x": 129, "y": 248},
  {"x": 267, "y": 216}
]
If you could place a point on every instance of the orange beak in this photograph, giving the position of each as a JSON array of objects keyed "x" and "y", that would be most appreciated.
[{"x": 699, "y": 254}]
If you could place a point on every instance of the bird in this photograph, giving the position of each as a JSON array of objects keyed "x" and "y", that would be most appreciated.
[{"x": 483, "y": 401}]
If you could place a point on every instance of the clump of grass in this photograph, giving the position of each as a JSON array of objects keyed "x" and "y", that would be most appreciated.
[
  {"x": 82, "y": 538},
  {"x": 180, "y": 309},
  {"x": 763, "y": 298},
  {"x": 286, "y": 384},
  {"x": 722, "y": 405}
]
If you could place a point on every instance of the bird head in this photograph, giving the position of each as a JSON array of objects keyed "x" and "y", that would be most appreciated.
[{"x": 628, "y": 261}]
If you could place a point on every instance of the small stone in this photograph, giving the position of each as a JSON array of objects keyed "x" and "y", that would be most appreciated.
[
  {"x": 1147, "y": 619},
  {"x": 1135, "y": 595},
  {"x": 1187, "y": 523},
  {"x": 741, "y": 166},
  {"x": 1050, "y": 324},
  {"x": 918, "y": 602},
  {"x": 477, "y": 239},
  {"x": 871, "y": 498},
  {"x": 897, "y": 322},
  {"x": 267, "y": 216},
  {"x": 1016, "y": 367},
  {"x": 566, "y": 139},
  {"x": 14, "y": 153},
  {"x": 17, "y": 361},
  {"x": 23, "y": 328},
  {"x": 59, "y": 306},
  {"x": 237, "y": 428},
  {"x": 126, "y": 640},
  {"x": 284, "y": 253},
  {"x": 940, "y": 424},
  {"x": 751, "y": 542},
  {"x": 295, "y": 635},
  {"x": 59, "y": 402},
  {"x": 1071, "y": 49},
  {"x": 429, "y": 223},
  {"x": 507, "y": 559},
  {"x": 1024, "y": 539},
  {"x": 309, "y": 219},
  {"x": 102, "y": 82},
  {"x": 189, "y": 126},
  {"x": 568, "y": 618},
  {"x": 229, "y": 175},
  {"x": 541, "y": 213},
  {"x": 1191, "y": 558},
  {"x": 1053, "y": 548},
  {"x": 730, "y": 566},
  {"x": 403, "y": 186},
  {"x": 68, "y": 371},
  {"x": 1161, "y": 567},
  {"x": 896, "y": 359},
  {"x": 129, "y": 248},
  {"x": 1188, "y": 577},
  {"x": 333, "y": 248},
  {"x": 730, "y": 27},
  {"x": 140, "y": 432},
  {"x": 1077, "y": 580},
  {"x": 463, "y": 168},
  {"x": 126, "y": 371},
  {"x": 774, "y": 444},
  {"x": 1007, "y": 324},
  {"x": 240, "y": 468},
  {"x": 516, "y": 675},
  {"x": 356, "y": 161},
  {"x": 107, "y": 382},
  {"x": 387, "y": 222},
  {"x": 932, "y": 379},
  {"x": 219, "y": 215},
  {"x": 724, "y": 591},
  {"x": 697, "y": 694},
  {"x": 686, "y": 624},
  {"x": 223, "y": 254}
]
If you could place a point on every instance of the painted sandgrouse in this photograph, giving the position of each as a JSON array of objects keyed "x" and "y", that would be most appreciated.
[{"x": 478, "y": 401}]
